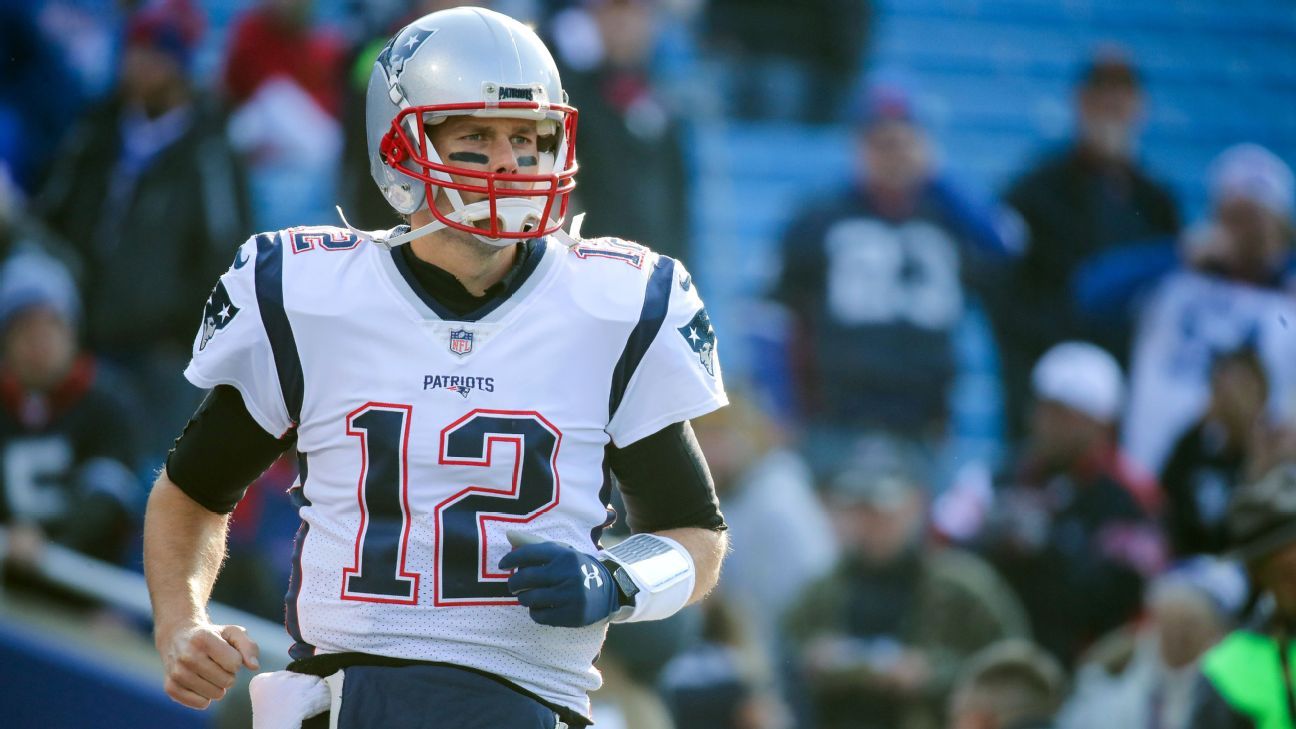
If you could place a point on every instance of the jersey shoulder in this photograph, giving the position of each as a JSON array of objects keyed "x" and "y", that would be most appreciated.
[
  {"x": 612, "y": 277},
  {"x": 308, "y": 265},
  {"x": 294, "y": 250}
]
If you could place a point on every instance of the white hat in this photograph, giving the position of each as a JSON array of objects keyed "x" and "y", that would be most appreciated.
[
  {"x": 1252, "y": 172},
  {"x": 1083, "y": 377}
]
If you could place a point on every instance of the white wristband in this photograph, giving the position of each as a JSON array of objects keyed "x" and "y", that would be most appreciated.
[{"x": 661, "y": 572}]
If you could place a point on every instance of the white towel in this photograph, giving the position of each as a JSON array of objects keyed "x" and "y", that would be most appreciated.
[{"x": 284, "y": 699}]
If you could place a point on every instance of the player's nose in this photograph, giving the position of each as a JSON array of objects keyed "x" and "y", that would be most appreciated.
[{"x": 503, "y": 158}]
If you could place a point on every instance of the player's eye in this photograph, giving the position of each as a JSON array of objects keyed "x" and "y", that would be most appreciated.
[
  {"x": 474, "y": 137},
  {"x": 522, "y": 140}
]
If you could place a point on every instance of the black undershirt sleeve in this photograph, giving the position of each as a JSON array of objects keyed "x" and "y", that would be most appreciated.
[
  {"x": 222, "y": 451},
  {"x": 666, "y": 483}
]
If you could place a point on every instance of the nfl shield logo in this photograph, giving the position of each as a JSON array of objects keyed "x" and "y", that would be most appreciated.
[{"x": 461, "y": 341}]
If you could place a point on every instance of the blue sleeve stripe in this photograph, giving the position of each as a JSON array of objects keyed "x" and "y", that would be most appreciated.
[
  {"x": 656, "y": 301},
  {"x": 269, "y": 292}
]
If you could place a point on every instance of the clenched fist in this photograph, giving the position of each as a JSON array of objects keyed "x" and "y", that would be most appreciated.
[{"x": 201, "y": 661}]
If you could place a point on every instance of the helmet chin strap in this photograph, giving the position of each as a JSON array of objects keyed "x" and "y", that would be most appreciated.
[
  {"x": 389, "y": 242},
  {"x": 513, "y": 211}
]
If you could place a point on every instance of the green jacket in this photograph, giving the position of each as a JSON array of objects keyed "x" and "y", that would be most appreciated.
[
  {"x": 961, "y": 606},
  {"x": 1242, "y": 686}
]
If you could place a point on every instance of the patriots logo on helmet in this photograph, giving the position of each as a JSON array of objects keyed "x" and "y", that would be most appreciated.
[
  {"x": 701, "y": 338},
  {"x": 399, "y": 50},
  {"x": 217, "y": 313}
]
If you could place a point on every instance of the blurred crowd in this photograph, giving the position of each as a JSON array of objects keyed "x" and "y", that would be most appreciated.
[{"x": 1130, "y": 558}]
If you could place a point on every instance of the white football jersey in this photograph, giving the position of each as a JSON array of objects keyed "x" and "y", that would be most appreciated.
[
  {"x": 425, "y": 437},
  {"x": 1189, "y": 320}
]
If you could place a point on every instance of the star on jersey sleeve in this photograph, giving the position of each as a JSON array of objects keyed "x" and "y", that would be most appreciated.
[
  {"x": 231, "y": 346},
  {"x": 678, "y": 377}
]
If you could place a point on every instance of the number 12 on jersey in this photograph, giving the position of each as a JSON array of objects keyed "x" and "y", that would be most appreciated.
[{"x": 462, "y": 574}]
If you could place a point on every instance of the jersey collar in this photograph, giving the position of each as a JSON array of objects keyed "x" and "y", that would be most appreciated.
[{"x": 518, "y": 284}]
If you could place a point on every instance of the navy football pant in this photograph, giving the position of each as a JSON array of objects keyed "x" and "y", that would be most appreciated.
[{"x": 432, "y": 697}]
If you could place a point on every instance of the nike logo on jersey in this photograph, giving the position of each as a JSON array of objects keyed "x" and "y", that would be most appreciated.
[
  {"x": 217, "y": 314},
  {"x": 241, "y": 258}
]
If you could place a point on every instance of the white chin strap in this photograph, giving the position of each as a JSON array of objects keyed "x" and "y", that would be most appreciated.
[{"x": 516, "y": 215}]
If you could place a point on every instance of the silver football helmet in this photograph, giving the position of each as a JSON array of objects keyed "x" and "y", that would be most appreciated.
[{"x": 469, "y": 61}]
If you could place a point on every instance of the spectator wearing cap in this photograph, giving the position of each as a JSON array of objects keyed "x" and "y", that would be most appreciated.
[
  {"x": 1077, "y": 202},
  {"x": 1247, "y": 678},
  {"x": 284, "y": 82},
  {"x": 1233, "y": 290},
  {"x": 1011, "y": 684},
  {"x": 277, "y": 39},
  {"x": 148, "y": 191},
  {"x": 879, "y": 641},
  {"x": 877, "y": 277},
  {"x": 1073, "y": 530},
  {"x": 1145, "y": 676},
  {"x": 67, "y": 455}
]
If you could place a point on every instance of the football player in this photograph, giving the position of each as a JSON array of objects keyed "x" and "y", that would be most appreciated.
[{"x": 460, "y": 390}]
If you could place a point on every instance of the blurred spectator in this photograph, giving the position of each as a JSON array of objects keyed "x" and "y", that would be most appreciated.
[
  {"x": 1077, "y": 202},
  {"x": 1247, "y": 677},
  {"x": 625, "y": 702},
  {"x": 632, "y": 177},
  {"x": 1236, "y": 291},
  {"x": 22, "y": 232},
  {"x": 32, "y": 120},
  {"x": 724, "y": 681},
  {"x": 789, "y": 60},
  {"x": 880, "y": 640},
  {"x": 632, "y": 661},
  {"x": 277, "y": 40},
  {"x": 876, "y": 277},
  {"x": 67, "y": 455},
  {"x": 1008, "y": 685},
  {"x": 774, "y": 515},
  {"x": 285, "y": 81},
  {"x": 1147, "y": 677},
  {"x": 148, "y": 192},
  {"x": 1209, "y": 459},
  {"x": 1074, "y": 533}
]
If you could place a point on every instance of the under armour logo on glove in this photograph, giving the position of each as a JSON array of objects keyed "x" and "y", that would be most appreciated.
[
  {"x": 591, "y": 574},
  {"x": 561, "y": 585}
]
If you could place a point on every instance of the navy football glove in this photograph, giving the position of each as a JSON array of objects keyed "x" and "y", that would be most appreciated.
[{"x": 561, "y": 585}]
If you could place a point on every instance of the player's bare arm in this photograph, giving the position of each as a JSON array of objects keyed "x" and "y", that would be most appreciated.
[
  {"x": 707, "y": 547},
  {"x": 184, "y": 545}
]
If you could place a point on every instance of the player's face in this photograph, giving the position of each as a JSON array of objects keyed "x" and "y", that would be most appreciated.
[{"x": 507, "y": 146}]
